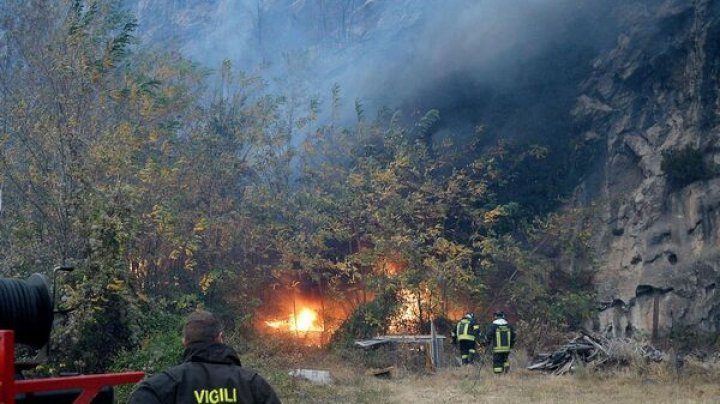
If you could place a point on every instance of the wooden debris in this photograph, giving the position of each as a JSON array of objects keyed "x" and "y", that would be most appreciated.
[
  {"x": 595, "y": 351},
  {"x": 384, "y": 373}
]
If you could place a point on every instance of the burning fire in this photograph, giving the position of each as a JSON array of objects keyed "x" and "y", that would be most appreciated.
[
  {"x": 276, "y": 323},
  {"x": 306, "y": 321}
]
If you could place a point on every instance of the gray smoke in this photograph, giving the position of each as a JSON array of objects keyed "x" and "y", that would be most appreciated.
[{"x": 475, "y": 60}]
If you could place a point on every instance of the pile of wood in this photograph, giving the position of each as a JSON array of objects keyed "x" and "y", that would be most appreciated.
[{"x": 595, "y": 351}]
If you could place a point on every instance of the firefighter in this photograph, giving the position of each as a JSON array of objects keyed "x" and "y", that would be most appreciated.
[
  {"x": 465, "y": 335},
  {"x": 500, "y": 336},
  {"x": 210, "y": 374}
]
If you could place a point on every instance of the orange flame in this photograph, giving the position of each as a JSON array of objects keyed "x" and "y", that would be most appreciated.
[
  {"x": 275, "y": 323},
  {"x": 306, "y": 321}
]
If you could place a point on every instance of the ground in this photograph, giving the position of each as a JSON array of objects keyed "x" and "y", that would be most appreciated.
[
  {"x": 525, "y": 386},
  {"x": 654, "y": 383}
]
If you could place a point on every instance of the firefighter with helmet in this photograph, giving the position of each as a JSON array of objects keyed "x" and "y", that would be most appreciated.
[
  {"x": 210, "y": 373},
  {"x": 465, "y": 335},
  {"x": 500, "y": 335}
]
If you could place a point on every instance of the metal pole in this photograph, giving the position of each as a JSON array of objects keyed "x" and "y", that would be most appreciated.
[
  {"x": 656, "y": 316},
  {"x": 434, "y": 346}
]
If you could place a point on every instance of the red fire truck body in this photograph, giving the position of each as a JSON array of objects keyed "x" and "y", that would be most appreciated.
[{"x": 89, "y": 385}]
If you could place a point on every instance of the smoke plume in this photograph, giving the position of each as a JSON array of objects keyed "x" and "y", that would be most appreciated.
[{"x": 512, "y": 65}]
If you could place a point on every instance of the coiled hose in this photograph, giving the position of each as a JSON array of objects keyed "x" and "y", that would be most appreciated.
[{"x": 26, "y": 308}]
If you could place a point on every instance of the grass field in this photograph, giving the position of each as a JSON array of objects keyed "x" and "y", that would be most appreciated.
[{"x": 652, "y": 383}]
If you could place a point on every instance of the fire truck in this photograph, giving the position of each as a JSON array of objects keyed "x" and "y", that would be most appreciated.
[{"x": 27, "y": 310}]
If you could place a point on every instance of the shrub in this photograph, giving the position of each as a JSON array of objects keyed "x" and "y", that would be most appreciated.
[
  {"x": 684, "y": 166},
  {"x": 367, "y": 320},
  {"x": 160, "y": 348}
]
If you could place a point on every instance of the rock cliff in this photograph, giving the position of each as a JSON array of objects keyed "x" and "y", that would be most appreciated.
[{"x": 657, "y": 91}]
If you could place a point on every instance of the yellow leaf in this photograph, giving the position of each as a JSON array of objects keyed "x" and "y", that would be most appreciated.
[
  {"x": 200, "y": 226},
  {"x": 116, "y": 285}
]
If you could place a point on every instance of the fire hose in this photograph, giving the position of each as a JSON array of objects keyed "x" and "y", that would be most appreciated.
[{"x": 26, "y": 308}]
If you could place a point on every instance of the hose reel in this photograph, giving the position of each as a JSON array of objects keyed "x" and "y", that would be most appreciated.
[{"x": 26, "y": 308}]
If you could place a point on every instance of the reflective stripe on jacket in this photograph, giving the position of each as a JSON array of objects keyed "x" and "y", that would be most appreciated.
[
  {"x": 503, "y": 339},
  {"x": 466, "y": 330},
  {"x": 501, "y": 336},
  {"x": 210, "y": 374}
]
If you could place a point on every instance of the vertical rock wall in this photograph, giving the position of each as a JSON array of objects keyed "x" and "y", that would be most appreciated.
[{"x": 657, "y": 90}]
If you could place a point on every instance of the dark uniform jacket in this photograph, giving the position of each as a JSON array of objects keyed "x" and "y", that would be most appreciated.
[
  {"x": 491, "y": 337},
  {"x": 469, "y": 333},
  {"x": 210, "y": 374}
]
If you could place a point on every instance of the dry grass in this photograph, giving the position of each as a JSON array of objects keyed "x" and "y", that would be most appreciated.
[
  {"x": 524, "y": 386},
  {"x": 654, "y": 383}
]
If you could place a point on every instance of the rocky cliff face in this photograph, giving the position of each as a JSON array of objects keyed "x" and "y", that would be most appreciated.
[{"x": 657, "y": 91}]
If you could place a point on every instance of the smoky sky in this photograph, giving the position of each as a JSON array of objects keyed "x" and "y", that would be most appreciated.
[{"x": 475, "y": 60}]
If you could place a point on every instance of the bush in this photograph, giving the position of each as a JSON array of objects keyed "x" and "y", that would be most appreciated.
[
  {"x": 161, "y": 348},
  {"x": 684, "y": 166},
  {"x": 368, "y": 320}
]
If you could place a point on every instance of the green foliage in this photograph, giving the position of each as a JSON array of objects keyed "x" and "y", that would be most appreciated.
[
  {"x": 368, "y": 320},
  {"x": 685, "y": 338},
  {"x": 428, "y": 121},
  {"x": 685, "y": 166},
  {"x": 545, "y": 281},
  {"x": 160, "y": 348}
]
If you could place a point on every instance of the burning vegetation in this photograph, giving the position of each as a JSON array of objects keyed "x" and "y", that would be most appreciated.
[
  {"x": 313, "y": 312},
  {"x": 306, "y": 320},
  {"x": 305, "y": 311}
]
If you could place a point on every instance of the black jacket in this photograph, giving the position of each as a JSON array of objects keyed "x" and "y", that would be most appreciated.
[
  {"x": 211, "y": 373},
  {"x": 490, "y": 332}
]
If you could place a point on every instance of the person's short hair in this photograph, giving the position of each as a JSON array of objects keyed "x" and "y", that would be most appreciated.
[{"x": 201, "y": 326}]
